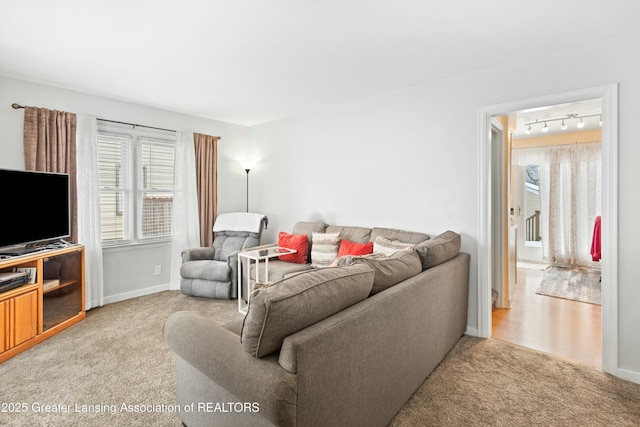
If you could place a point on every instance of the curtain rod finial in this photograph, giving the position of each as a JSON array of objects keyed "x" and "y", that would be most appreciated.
[{"x": 16, "y": 106}]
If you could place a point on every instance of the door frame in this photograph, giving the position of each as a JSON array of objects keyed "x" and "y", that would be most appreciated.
[
  {"x": 500, "y": 186},
  {"x": 487, "y": 209}
]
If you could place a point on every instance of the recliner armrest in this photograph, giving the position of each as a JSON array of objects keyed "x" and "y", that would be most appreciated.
[
  {"x": 265, "y": 246},
  {"x": 233, "y": 256},
  {"x": 197, "y": 254}
]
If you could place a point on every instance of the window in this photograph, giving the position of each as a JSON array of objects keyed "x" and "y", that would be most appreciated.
[
  {"x": 532, "y": 206},
  {"x": 157, "y": 187},
  {"x": 135, "y": 173}
]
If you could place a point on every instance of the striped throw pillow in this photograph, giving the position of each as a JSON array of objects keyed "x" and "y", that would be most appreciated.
[
  {"x": 324, "y": 248},
  {"x": 382, "y": 245}
]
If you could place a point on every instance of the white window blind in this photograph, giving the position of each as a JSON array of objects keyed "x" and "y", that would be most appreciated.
[
  {"x": 156, "y": 189},
  {"x": 114, "y": 165}
]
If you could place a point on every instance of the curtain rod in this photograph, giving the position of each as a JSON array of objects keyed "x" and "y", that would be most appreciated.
[
  {"x": 17, "y": 106},
  {"x": 135, "y": 125}
]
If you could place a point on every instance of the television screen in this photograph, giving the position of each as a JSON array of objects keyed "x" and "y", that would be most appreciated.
[{"x": 35, "y": 207}]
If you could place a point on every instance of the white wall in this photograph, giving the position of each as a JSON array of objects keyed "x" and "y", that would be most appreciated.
[
  {"x": 128, "y": 271},
  {"x": 409, "y": 159}
]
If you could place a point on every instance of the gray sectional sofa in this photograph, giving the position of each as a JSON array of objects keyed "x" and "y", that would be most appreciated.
[{"x": 344, "y": 346}]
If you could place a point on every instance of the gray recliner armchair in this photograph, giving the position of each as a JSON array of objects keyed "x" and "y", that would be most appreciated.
[{"x": 212, "y": 272}]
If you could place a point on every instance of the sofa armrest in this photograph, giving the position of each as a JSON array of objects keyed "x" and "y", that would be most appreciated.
[
  {"x": 217, "y": 353},
  {"x": 197, "y": 254}
]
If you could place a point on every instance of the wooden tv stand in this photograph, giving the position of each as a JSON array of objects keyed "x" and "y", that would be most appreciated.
[{"x": 36, "y": 311}]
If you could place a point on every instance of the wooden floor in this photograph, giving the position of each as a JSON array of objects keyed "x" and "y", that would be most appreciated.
[{"x": 565, "y": 328}]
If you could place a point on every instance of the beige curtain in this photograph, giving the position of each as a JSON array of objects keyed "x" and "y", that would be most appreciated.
[
  {"x": 206, "y": 148},
  {"x": 50, "y": 146}
]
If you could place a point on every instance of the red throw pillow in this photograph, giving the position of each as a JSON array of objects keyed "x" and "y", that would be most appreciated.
[
  {"x": 353, "y": 248},
  {"x": 299, "y": 242}
]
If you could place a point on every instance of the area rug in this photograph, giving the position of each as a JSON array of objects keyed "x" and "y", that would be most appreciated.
[{"x": 577, "y": 284}]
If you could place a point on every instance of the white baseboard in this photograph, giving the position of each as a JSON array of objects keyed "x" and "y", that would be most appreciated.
[
  {"x": 629, "y": 375},
  {"x": 136, "y": 293}
]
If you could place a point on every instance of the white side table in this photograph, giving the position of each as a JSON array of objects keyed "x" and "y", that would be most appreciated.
[{"x": 257, "y": 255}]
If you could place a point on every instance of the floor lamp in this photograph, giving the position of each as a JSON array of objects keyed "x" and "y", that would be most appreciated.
[{"x": 247, "y": 171}]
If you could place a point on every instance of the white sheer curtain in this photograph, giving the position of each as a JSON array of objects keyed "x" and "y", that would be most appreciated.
[
  {"x": 570, "y": 198},
  {"x": 89, "y": 231},
  {"x": 186, "y": 228}
]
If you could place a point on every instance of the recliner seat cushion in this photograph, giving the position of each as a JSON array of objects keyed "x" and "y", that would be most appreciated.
[{"x": 283, "y": 308}]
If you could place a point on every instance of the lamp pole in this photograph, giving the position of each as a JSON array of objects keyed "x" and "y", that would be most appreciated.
[{"x": 247, "y": 171}]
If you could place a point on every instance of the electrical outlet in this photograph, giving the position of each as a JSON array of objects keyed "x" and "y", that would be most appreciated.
[{"x": 158, "y": 270}]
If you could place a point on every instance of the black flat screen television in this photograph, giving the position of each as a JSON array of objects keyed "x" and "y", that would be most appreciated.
[{"x": 34, "y": 208}]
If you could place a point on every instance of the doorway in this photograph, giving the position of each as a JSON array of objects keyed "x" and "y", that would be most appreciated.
[
  {"x": 552, "y": 151},
  {"x": 489, "y": 210}
]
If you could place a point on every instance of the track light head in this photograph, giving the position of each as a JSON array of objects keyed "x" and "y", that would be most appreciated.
[
  {"x": 528, "y": 130},
  {"x": 545, "y": 128},
  {"x": 563, "y": 126},
  {"x": 580, "y": 123}
]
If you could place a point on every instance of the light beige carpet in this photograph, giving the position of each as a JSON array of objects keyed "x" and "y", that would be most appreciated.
[
  {"x": 115, "y": 357},
  {"x": 101, "y": 368}
]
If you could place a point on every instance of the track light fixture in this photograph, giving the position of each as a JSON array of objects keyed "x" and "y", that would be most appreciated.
[{"x": 562, "y": 119}]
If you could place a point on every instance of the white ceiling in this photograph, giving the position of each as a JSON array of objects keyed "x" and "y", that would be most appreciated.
[{"x": 251, "y": 61}]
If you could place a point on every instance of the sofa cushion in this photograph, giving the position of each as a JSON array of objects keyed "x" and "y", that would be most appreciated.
[
  {"x": 439, "y": 249},
  {"x": 283, "y": 308},
  {"x": 382, "y": 245},
  {"x": 324, "y": 248},
  {"x": 399, "y": 235},
  {"x": 388, "y": 270},
  {"x": 299, "y": 242},
  {"x": 278, "y": 270},
  {"x": 354, "y": 234},
  {"x": 234, "y": 326},
  {"x": 309, "y": 227},
  {"x": 348, "y": 247}
]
